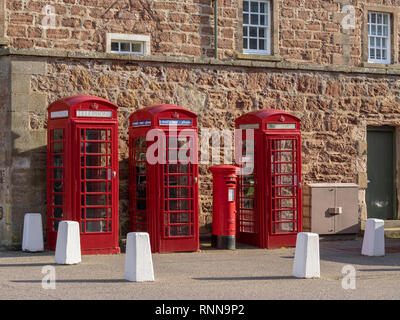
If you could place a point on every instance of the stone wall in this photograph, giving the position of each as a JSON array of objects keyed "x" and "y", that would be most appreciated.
[{"x": 306, "y": 31}]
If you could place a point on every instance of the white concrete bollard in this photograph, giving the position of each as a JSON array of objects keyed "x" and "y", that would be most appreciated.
[
  {"x": 68, "y": 246},
  {"x": 306, "y": 257},
  {"x": 374, "y": 238},
  {"x": 32, "y": 236},
  {"x": 138, "y": 260}
]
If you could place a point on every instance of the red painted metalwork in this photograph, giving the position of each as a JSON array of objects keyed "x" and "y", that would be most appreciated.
[
  {"x": 224, "y": 207},
  {"x": 269, "y": 199},
  {"x": 164, "y": 196},
  {"x": 82, "y": 171}
]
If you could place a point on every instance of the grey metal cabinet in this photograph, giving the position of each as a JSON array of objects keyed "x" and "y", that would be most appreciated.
[{"x": 334, "y": 208}]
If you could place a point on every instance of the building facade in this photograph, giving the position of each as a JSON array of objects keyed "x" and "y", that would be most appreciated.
[{"x": 332, "y": 63}]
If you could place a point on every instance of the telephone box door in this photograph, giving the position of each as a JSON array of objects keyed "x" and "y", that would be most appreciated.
[
  {"x": 179, "y": 220},
  {"x": 284, "y": 178},
  {"x": 97, "y": 193}
]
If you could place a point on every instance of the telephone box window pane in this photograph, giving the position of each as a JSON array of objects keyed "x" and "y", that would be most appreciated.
[
  {"x": 140, "y": 143},
  {"x": 96, "y": 134},
  {"x": 96, "y": 200},
  {"x": 58, "y": 134},
  {"x": 179, "y": 217},
  {"x": 140, "y": 167},
  {"x": 178, "y": 180},
  {"x": 57, "y": 147},
  {"x": 248, "y": 203},
  {"x": 96, "y": 147},
  {"x": 97, "y": 161},
  {"x": 285, "y": 215},
  {"x": 96, "y": 213},
  {"x": 96, "y": 226},
  {"x": 57, "y": 186},
  {"x": 109, "y": 226},
  {"x": 96, "y": 174},
  {"x": 179, "y": 193},
  {"x": 58, "y": 212},
  {"x": 178, "y": 168},
  {"x": 55, "y": 225},
  {"x": 58, "y": 199},
  {"x": 140, "y": 180},
  {"x": 57, "y": 161},
  {"x": 248, "y": 192},
  {"x": 58, "y": 173},
  {"x": 109, "y": 213},
  {"x": 284, "y": 180},
  {"x": 175, "y": 231},
  {"x": 141, "y": 205},
  {"x": 284, "y": 227},
  {"x": 140, "y": 192},
  {"x": 178, "y": 205},
  {"x": 96, "y": 186},
  {"x": 140, "y": 155}
]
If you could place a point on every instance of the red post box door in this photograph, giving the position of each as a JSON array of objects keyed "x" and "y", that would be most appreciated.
[
  {"x": 284, "y": 178},
  {"x": 97, "y": 203}
]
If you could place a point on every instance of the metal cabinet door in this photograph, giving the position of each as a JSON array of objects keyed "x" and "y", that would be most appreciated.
[
  {"x": 321, "y": 221},
  {"x": 347, "y": 221}
]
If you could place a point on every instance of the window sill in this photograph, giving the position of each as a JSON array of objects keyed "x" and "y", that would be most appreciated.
[
  {"x": 4, "y": 42},
  {"x": 245, "y": 56},
  {"x": 380, "y": 65}
]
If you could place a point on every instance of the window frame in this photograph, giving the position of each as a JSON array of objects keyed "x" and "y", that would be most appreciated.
[
  {"x": 388, "y": 38},
  {"x": 143, "y": 40},
  {"x": 267, "y": 28}
]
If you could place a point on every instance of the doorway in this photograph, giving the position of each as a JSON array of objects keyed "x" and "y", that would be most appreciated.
[{"x": 381, "y": 192}]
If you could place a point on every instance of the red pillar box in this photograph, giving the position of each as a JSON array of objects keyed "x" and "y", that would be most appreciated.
[
  {"x": 82, "y": 171},
  {"x": 224, "y": 207}
]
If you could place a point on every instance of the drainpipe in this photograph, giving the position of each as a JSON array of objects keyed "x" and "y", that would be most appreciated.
[{"x": 216, "y": 29}]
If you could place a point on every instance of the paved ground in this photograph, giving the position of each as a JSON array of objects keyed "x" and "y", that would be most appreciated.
[{"x": 246, "y": 273}]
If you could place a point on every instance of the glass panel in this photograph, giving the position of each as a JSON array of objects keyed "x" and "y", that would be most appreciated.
[
  {"x": 96, "y": 134},
  {"x": 58, "y": 199},
  {"x": 96, "y": 213},
  {"x": 98, "y": 161},
  {"x": 179, "y": 231},
  {"x": 96, "y": 174},
  {"x": 179, "y": 193},
  {"x": 253, "y": 32},
  {"x": 140, "y": 155},
  {"x": 254, "y": 6},
  {"x": 140, "y": 192},
  {"x": 245, "y": 31},
  {"x": 96, "y": 226},
  {"x": 245, "y": 6},
  {"x": 284, "y": 227},
  {"x": 55, "y": 225},
  {"x": 125, "y": 46},
  {"x": 114, "y": 46},
  {"x": 178, "y": 205},
  {"x": 96, "y": 147},
  {"x": 57, "y": 147},
  {"x": 57, "y": 186},
  {"x": 96, "y": 200},
  {"x": 254, "y": 19},
  {"x": 261, "y": 44},
  {"x": 253, "y": 44},
  {"x": 141, "y": 217},
  {"x": 57, "y": 173},
  {"x": 57, "y": 161},
  {"x": 284, "y": 180},
  {"x": 372, "y": 41},
  {"x": 141, "y": 205},
  {"x": 248, "y": 203},
  {"x": 284, "y": 203},
  {"x": 244, "y": 43},
  {"x": 379, "y": 30},
  {"x": 248, "y": 192},
  {"x": 284, "y": 215},
  {"x": 140, "y": 180},
  {"x": 178, "y": 168},
  {"x": 96, "y": 187},
  {"x": 136, "y": 47},
  {"x": 58, "y": 212},
  {"x": 179, "y": 217},
  {"x": 140, "y": 167},
  {"x": 140, "y": 142},
  {"x": 245, "y": 19},
  {"x": 179, "y": 180},
  {"x": 58, "y": 134}
]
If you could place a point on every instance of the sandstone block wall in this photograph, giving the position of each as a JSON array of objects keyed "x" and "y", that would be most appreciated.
[{"x": 307, "y": 31}]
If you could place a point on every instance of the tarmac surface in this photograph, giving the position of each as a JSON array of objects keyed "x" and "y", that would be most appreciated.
[{"x": 245, "y": 273}]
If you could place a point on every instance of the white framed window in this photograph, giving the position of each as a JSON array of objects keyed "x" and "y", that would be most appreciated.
[
  {"x": 128, "y": 44},
  {"x": 379, "y": 37},
  {"x": 257, "y": 27}
]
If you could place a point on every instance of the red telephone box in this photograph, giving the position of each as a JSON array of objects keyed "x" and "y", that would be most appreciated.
[
  {"x": 269, "y": 198},
  {"x": 163, "y": 189},
  {"x": 82, "y": 171}
]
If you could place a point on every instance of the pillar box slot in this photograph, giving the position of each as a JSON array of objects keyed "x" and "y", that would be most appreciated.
[
  {"x": 82, "y": 171},
  {"x": 269, "y": 210},
  {"x": 163, "y": 188}
]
